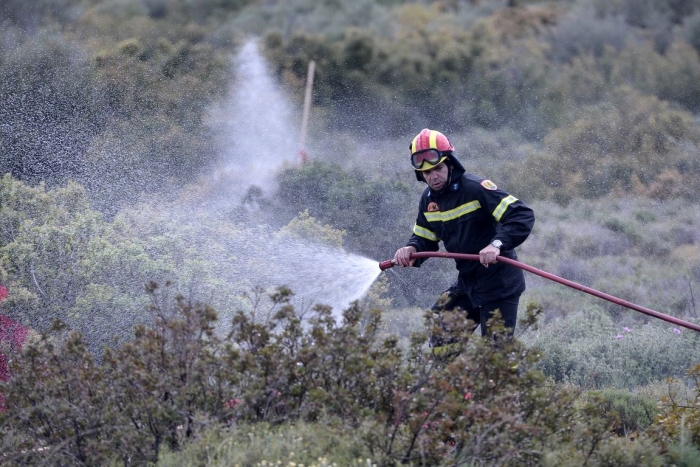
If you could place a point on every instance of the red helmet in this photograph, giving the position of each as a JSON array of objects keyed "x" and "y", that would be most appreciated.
[
  {"x": 429, "y": 148},
  {"x": 430, "y": 139}
]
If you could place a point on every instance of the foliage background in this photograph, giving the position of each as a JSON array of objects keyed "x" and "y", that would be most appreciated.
[{"x": 587, "y": 110}]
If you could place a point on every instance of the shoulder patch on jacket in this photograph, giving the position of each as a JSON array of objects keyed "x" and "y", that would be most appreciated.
[
  {"x": 433, "y": 207},
  {"x": 489, "y": 185}
]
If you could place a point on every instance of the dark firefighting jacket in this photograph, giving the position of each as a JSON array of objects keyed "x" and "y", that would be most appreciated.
[{"x": 466, "y": 216}]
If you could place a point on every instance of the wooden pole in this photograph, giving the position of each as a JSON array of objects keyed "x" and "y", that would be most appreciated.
[{"x": 305, "y": 115}]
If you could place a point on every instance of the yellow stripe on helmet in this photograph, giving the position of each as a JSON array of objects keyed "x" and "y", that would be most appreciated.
[{"x": 433, "y": 139}]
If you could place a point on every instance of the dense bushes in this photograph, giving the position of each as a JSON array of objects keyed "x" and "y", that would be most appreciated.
[
  {"x": 50, "y": 113},
  {"x": 109, "y": 96},
  {"x": 116, "y": 94},
  {"x": 429, "y": 72},
  {"x": 64, "y": 240},
  {"x": 587, "y": 349},
  {"x": 681, "y": 417},
  {"x": 503, "y": 69},
  {"x": 629, "y": 144},
  {"x": 350, "y": 201},
  {"x": 62, "y": 260},
  {"x": 636, "y": 413},
  {"x": 124, "y": 407},
  {"x": 588, "y": 82},
  {"x": 179, "y": 379}
]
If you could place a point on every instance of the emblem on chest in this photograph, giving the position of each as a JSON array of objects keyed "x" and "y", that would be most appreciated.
[{"x": 433, "y": 207}]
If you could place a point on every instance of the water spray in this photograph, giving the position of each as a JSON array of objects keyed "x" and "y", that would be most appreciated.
[{"x": 471, "y": 257}]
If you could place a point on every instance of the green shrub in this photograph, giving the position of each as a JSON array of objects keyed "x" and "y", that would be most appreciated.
[
  {"x": 375, "y": 215},
  {"x": 179, "y": 379},
  {"x": 588, "y": 349},
  {"x": 427, "y": 67},
  {"x": 107, "y": 93},
  {"x": 630, "y": 143},
  {"x": 51, "y": 109},
  {"x": 680, "y": 417},
  {"x": 615, "y": 451},
  {"x": 635, "y": 412},
  {"x": 301, "y": 443},
  {"x": 139, "y": 397}
]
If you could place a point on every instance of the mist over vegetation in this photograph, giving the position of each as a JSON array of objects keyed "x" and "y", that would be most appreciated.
[{"x": 149, "y": 178}]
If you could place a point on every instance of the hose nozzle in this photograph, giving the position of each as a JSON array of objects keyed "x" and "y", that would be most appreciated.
[{"x": 387, "y": 264}]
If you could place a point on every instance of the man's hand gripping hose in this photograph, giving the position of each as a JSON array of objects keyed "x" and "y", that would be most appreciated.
[{"x": 464, "y": 256}]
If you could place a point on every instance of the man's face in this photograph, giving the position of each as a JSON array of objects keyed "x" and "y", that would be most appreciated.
[{"x": 436, "y": 177}]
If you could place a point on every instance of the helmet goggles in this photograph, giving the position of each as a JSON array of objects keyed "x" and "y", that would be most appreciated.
[{"x": 432, "y": 156}]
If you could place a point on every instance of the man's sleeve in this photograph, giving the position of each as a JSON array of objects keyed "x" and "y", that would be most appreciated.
[{"x": 515, "y": 217}]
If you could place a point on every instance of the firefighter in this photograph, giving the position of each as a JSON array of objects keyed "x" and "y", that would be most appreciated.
[{"x": 470, "y": 215}]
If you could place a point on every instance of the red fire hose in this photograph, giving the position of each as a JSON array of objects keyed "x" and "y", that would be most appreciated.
[{"x": 647, "y": 311}]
